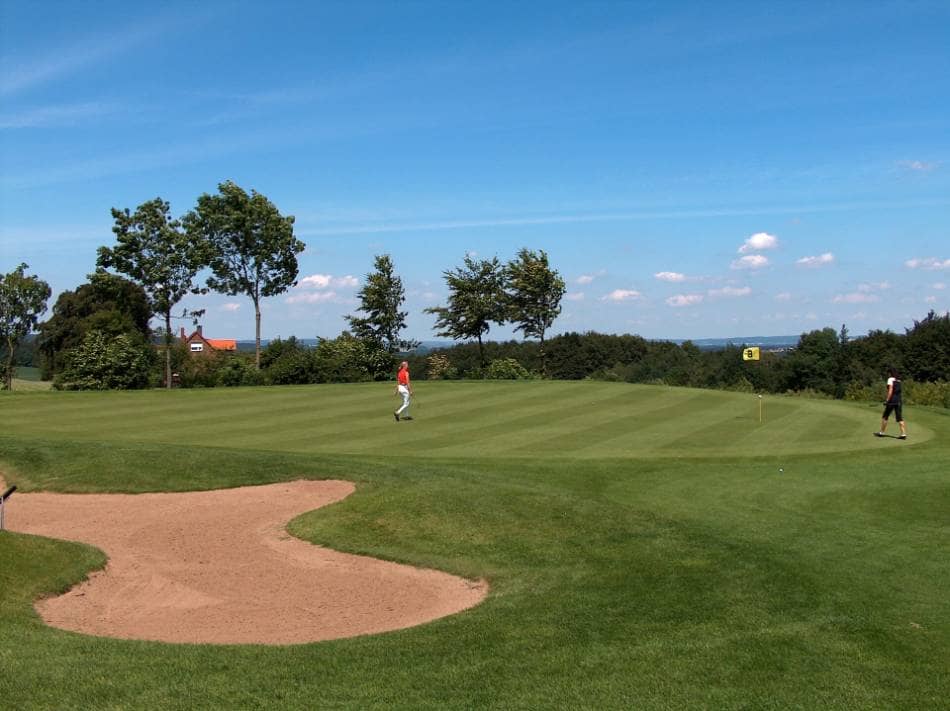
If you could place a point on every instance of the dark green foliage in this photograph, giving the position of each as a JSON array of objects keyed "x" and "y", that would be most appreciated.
[
  {"x": 476, "y": 300},
  {"x": 103, "y": 362},
  {"x": 249, "y": 246},
  {"x": 22, "y": 301},
  {"x": 927, "y": 348},
  {"x": 380, "y": 299},
  {"x": 506, "y": 369},
  {"x": 533, "y": 294},
  {"x": 107, "y": 303},
  {"x": 154, "y": 252},
  {"x": 347, "y": 359}
]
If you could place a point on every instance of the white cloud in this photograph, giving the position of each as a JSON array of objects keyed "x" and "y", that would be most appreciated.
[
  {"x": 325, "y": 281},
  {"x": 622, "y": 295},
  {"x": 939, "y": 286},
  {"x": 783, "y": 296},
  {"x": 875, "y": 286},
  {"x": 585, "y": 279},
  {"x": 231, "y": 306},
  {"x": 928, "y": 263},
  {"x": 918, "y": 166},
  {"x": 930, "y": 300},
  {"x": 315, "y": 297},
  {"x": 684, "y": 300},
  {"x": 820, "y": 260},
  {"x": 730, "y": 291},
  {"x": 670, "y": 276},
  {"x": 758, "y": 242},
  {"x": 751, "y": 261},
  {"x": 857, "y": 297},
  {"x": 575, "y": 296}
]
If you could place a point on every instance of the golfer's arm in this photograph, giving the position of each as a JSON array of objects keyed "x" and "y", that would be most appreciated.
[{"x": 890, "y": 392}]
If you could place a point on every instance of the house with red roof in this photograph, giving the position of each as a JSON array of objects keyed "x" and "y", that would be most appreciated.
[{"x": 199, "y": 345}]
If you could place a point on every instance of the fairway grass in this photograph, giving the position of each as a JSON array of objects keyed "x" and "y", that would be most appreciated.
[{"x": 644, "y": 549}]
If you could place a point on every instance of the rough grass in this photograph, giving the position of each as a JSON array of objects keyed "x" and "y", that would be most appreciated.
[{"x": 643, "y": 549}]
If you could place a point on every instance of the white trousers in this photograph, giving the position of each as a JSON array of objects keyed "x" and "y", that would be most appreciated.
[{"x": 404, "y": 391}]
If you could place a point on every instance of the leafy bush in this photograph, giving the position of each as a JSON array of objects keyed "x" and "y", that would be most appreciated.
[
  {"x": 102, "y": 362},
  {"x": 438, "y": 367},
  {"x": 506, "y": 369}
]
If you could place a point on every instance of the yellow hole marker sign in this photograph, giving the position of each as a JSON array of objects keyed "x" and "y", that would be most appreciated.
[{"x": 751, "y": 353}]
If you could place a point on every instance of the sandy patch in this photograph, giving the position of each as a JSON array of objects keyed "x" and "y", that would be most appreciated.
[{"x": 219, "y": 567}]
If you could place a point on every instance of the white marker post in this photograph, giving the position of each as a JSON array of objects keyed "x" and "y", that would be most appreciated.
[{"x": 3, "y": 499}]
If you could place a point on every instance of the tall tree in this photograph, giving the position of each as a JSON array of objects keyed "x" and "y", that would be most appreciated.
[
  {"x": 250, "y": 247},
  {"x": 107, "y": 303},
  {"x": 476, "y": 300},
  {"x": 380, "y": 300},
  {"x": 157, "y": 254},
  {"x": 22, "y": 301},
  {"x": 534, "y": 292}
]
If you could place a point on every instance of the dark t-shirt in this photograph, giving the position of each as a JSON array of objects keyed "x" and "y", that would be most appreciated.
[{"x": 896, "y": 392}]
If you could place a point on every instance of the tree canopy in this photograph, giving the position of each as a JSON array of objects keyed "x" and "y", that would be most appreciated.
[
  {"x": 154, "y": 252},
  {"x": 476, "y": 300},
  {"x": 380, "y": 299},
  {"x": 22, "y": 301},
  {"x": 533, "y": 295},
  {"x": 107, "y": 303},
  {"x": 249, "y": 246}
]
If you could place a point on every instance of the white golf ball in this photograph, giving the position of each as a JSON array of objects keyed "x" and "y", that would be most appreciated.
[{"x": 780, "y": 470}]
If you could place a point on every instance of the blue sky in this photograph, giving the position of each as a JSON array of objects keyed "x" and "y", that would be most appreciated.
[{"x": 692, "y": 169}]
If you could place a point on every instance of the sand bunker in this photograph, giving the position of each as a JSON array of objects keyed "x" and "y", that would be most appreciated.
[{"x": 219, "y": 567}]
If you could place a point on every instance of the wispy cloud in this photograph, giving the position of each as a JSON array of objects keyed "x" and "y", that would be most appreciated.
[
  {"x": 231, "y": 307},
  {"x": 312, "y": 297},
  {"x": 680, "y": 214},
  {"x": 575, "y": 296},
  {"x": 51, "y": 116},
  {"x": 681, "y": 300},
  {"x": 758, "y": 242},
  {"x": 857, "y": 297},
  {"x": 730, "y": 291},
  {"x": 588, "y": 278},
  {"x": 670, "y": 276},
  {"x": 918, "y": 166},
  {"x": 783, "y": 296},
  {"x": 750, "y": 261},
  {"x": 928, "y": 263},
  {"x": 874, "y": 286},
  {"x": 91, "y": 50},
  {"x": 930, "y": 300},
  {"x": 622, "y": 295},
  {"x": 821, "y": 260},
  {"x": 325, "y": 281},
  {"x": 939, "y": 286}
]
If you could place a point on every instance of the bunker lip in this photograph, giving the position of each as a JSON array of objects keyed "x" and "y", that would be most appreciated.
[{"x": 219, "y": 567}]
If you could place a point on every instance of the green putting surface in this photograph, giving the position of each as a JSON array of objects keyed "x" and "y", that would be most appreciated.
[{"x": 503, "y": 419}]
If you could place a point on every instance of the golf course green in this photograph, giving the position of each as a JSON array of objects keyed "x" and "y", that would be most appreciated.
[{"x": 647, "y": 547}]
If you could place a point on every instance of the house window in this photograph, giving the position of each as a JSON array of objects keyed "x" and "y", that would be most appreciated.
[{"x": 197, "y": 347}]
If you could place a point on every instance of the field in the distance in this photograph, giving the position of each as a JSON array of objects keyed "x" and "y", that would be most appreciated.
[{"x": 643, "y": 548}]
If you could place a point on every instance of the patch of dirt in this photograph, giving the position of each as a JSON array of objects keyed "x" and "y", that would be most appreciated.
[{"x": 219, "y": 567}]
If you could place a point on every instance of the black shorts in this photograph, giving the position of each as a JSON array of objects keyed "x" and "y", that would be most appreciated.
[{"x": 894, "y": 407}]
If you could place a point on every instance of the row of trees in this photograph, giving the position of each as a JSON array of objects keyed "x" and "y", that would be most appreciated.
[
  {"x": 525, "y": 292},
  {"x": 824, "y": 362},
  {"x": 247, "y": 245}
]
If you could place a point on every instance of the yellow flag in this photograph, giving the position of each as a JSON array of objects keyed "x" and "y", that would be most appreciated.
[{"x": 750, "y": 353}]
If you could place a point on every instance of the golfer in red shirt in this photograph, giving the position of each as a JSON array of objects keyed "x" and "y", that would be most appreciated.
[{"x": 404, "y": 388}]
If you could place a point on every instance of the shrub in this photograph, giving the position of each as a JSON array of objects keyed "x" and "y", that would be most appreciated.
[
  {"x": 101, "y": 362},
  {"x": 506, "y": 369},
  {"x": 438, "y": 367}
]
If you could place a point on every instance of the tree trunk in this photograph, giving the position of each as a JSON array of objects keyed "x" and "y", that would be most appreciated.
[
  {"x": 168, "y": 349},
  {"x": 481, "y": 351},
  {"x": 544, "y": 358},
  {"x": 257, "y": 333},
  {"x": 8, "y": 366}
]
